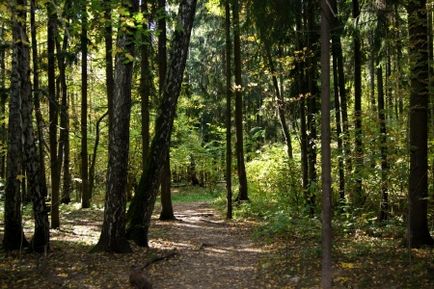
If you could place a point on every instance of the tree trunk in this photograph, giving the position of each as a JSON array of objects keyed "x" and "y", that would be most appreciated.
[
  {"x": 142, "y": 205},
  {"x": 113, "y": 238},
  {"x": 239, "y": 143},
  {"x": 418, "y": 232},
  {"x": 3, "y": 98},
  {"x": 85, "y": 196},
  {"x": 37, "y": 188},
  {"x": 146, "y": 86},
  {"x": 95, "y": 150},
  {"x": 53, "y": 116},
  {"x": 326, "y": 216},
  {"x": 280, "y": 103},
  {"x": 166, "y": 198},
  {"x": 14, "y": 238},
  {"x": 228, "y": 54},
  {"x": 36, "y": 92},
  {"x": 358, "y": 145}
]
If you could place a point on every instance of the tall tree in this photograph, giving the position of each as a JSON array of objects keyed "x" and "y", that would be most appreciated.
[
  {"x": 36, "y": 90},
  {"x": 85, "y": 197},
  {"x": 326, "y": 236},
  {"x": 14, "y": 238},
  {"x": 142, "y": 205},
  {"x": 239, "y": 142},
  {"x": 3, "y": 98},
  {"x": 113, "y": 238},
  {"x": 53, "y": 114},
  {"x": 358, "y": 146},
  {"x": 228, "y": 55},
  {"x": 418, "y": 232},
  {"x": 166, "y": 198}
]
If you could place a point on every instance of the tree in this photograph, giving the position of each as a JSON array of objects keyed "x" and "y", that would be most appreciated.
[
  {"x": 53, "y": 114},
  {"x": 358, "y": 146},
  {"x": 142, "y": 204},
  {"x": 85, "y": 197},
  {"x": 418, "y": 232},
  {"x": 113, "y": 238},
  {"x": 166, "y": 198},
  {"x": 239, "y": 143},
  {"x": 14, "y": 238},
  {"x": 326, "y": 215},
  {"x": 228, "y": 54}
]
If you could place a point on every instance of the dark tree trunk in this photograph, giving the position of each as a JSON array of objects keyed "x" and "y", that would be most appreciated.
[
  {"x": 36, "y": 92},
  {"x": 239, "y": 142},
  {"x": 418, "y": 232},
  {"x": 3, "y": 98},
  {"x": 95, "y": 151},
  {"x": 146, "y": 86},
  {"x": 326, "y": 215},
  {"x": 85, "y": 196},
  {"x": 228, "y": 55},
  {"x": 142, "y": 205},
  {"x": 63, "y": 154},
  {"x": 166, "y": 197},
  {"x": 37, "y": 188},
  {"x": 14, "y": 238},
  {"x": 113, "y": 238},
  {"x": 53, "y": 116},
  {"x": 358, "y": 146}
]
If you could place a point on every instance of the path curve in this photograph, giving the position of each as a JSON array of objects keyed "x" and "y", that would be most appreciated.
[{"x": 213, "y": 253}]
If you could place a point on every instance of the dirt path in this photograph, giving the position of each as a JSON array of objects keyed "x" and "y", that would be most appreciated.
[{"x": 213, "y": 253}]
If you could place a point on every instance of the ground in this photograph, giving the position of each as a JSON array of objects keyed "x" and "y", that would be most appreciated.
[
  {"x": 210, "y": 252},
  {"x": 206, "y": 251}
]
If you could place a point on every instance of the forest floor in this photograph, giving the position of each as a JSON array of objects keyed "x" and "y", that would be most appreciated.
[{"x": 206, "y": 251}]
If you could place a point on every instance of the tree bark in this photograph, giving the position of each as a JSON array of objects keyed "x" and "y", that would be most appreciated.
[
  {"x": 418, "y": 232},
  {"x": 14, "y": 238},
  {"x": 228, "y": 55},
  {"x": 166, "y": 198},
  {"x": 53, "y": 116},
  {"x": 358, "y": 145},
  {"x": 85, "y": 196},
  {"x": 239, "y": 142},
  {"x": 326, "y": 236},
  {"x": 142, "y": 205},
  {"x": 95, "y": 151},
  {"x": 113, "y": 238},
  {"x": 3, "y": 98}
]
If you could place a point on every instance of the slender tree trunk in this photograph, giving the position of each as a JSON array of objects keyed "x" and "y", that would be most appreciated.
[
  {"x": 14, "y": 238},
  {"x": 3, "y": 98},
  {"x": 418, "y": 232},
  {"x": 95, "y": 151},
  {"x": 36, "y": 91},
  {"x": 280, "y": 103},
  {"x": 113, "y": 238},
  {"x": 85, "y": 196},
  {"x": 53, "y": 116},
  {"x": 166, "y": 198},
  {"x": 239, "y": 144},
  {"x": 146, "y": 86},
  {"x": 326, "y": 236},
  {"x": 37, "y": 188},
  {"x": 358, "y": 145},
  {"x": 142, "y": 205},
  {"x": 228, "y": 55}
]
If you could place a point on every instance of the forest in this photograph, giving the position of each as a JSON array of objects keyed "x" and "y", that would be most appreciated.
[{"x": 216, "y": 144}]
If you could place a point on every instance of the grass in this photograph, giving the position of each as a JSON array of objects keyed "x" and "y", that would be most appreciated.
[{"x": 190, "y": 194}]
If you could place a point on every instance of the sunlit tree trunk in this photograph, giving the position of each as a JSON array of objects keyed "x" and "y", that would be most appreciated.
[
  {"x": 142, "y": 204},
  {"x": 53, "y": 115},
  {"x": 85, "y": 197},
  {"x": 239, "y": 144},
  {"x": 113, "y": 238},
  {"x": 14, "y": 238}
]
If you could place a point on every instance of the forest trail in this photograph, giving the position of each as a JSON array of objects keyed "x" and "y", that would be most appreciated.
[{"x": 213, "y": 253}]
